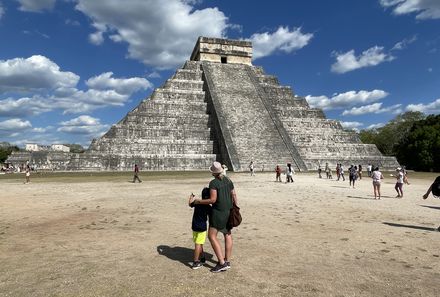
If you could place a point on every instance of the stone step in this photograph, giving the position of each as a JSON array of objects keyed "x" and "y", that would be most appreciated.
[
  {"x": 188, "y": 74},
  {"x": 170, "y": 107},
  {"x": 178, "y": 84},
  {"x": 164, "y": 133}
]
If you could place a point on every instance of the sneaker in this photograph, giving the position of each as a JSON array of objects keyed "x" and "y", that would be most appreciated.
[
  {"x": 219, "y": 268},
  {"x": 228, "y": 264},
  {"x": 203, "y": 260},
  {"x": 438, "y": 229},
  {"x": 196, "y": 265}
]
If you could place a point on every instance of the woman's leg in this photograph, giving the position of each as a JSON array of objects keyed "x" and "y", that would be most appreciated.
[
  {"x": 228, "y": 246},
  {"x": 212, "y": 235},
  {"x": 375, "y": 190},
  {"x": 378, "y": 190}
]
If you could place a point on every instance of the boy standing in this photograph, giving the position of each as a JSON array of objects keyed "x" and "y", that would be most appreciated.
[{"x": 199, "y": 228}]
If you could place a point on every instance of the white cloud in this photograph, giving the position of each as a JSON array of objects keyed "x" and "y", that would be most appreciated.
[
  {"x": 351, "y": 125},
  {"x": 55, "y": 89},
  {"x": 283, "y": 40},
  {"x": 24, "y": 106},
  {"x": 122, "y": 86},
  {"x": 158, "y": 33},
  {"x": 404, "y": 43},
  {"x": 33, "y": 73},
  {"x": 345, "y": 100},
  {"x": 83, "y": 124},
  {"x": 348, "y": 61},
  {"x": 373, "y": 108},
  {"x": 2, "y": 10},
  {"x": 39, "y": 130},
  {"x": 375, "y": 126},
  {"x": 36, "y": 5},
  {"x": 15, "y": 124},
  {"x": 430, "y": 108},
  {"x": 425, "y": 9},
  {"x": 72, "y": 22}
]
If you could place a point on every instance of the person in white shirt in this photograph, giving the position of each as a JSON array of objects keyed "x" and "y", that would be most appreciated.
[
  {"x": 377, "y": 176},
  {"x": 399, "y": 182}
]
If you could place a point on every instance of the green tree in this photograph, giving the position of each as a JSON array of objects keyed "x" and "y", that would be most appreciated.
[
  {"x": 389, "y": 136},
  {"x": 6, "y": 149},
  {"x": 420, "y": 149}
]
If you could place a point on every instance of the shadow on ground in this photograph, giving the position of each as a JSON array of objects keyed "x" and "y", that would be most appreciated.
[
  {"x": 181, "y": 254},
  {"x": 429, "y": 206},
  {"x": 410, "y": 226}
]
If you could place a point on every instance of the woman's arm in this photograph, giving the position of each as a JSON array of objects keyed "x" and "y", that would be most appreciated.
[
  {"x": 212, "y": 198},
  {"x": 234, "y": 196}
]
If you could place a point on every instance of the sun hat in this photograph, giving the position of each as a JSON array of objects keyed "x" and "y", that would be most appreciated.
[
  {"x": 398, "y": 169},
  {"x": 216, "y": 167}
]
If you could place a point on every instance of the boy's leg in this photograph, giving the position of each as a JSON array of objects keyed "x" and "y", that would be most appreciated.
[{"x": 198, "y": 249}]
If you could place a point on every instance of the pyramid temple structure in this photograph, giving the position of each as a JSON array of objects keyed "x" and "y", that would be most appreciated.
[{"x": 219, "y": 106}]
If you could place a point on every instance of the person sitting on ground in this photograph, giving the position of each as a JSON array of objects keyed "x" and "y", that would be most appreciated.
[{"x": 199, "y": 227}]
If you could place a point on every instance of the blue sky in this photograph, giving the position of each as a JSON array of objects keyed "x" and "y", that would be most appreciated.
[{"x": 69, "y": 69}]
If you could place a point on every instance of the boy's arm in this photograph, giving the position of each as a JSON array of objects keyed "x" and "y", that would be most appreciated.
[{"x": 191, "y": 200}]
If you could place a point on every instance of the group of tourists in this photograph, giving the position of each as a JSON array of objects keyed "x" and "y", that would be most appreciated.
[{"x": 217, "y": 200}]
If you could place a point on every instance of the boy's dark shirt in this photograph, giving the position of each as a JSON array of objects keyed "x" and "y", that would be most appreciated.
[{"x": 200, "y": 217}]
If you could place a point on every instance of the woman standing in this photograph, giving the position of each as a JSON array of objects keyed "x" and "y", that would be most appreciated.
[
  {"x": 377, "y": 176},
  {"x": 222, "y": 193}
]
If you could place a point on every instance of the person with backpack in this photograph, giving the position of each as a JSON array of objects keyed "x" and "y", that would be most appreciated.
[{"x": 435, "y": 190}]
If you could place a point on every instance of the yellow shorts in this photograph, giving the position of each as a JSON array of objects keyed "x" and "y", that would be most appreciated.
[{"x": 199, "y": 237}]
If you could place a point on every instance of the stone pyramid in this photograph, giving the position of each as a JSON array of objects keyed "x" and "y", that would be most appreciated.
[{"x": 219, "y": 106}]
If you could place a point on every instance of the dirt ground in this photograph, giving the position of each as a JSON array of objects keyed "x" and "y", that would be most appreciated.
[{"x": 102, "y": 235}]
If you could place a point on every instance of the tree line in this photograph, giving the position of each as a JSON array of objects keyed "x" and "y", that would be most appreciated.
[{"x": 412, "y": 137}]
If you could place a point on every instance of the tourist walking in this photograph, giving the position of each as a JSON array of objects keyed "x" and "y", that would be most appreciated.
[
  {"x": 251, "y": 168},
  {"x": 278, "y": 173},
  {"x": 360, "y": 171},
  {"x": 352, "y": 175},
  {"x": 319, "y": 171},
  {"x": 28, "y": 174},
  {"x": 327, "y": 170},
  {"x": 338, "y": 171},
  {"x": 341, "y": 172},
  {"x": 377, "y": 176},
  {"x": 136, "y": 174},
  {"x": 369, "y": 169},
  {"x": 289, "y": 173},
  {"x": 225, "y": 168},
  {"x": 221, "y": 196},
  {"x": 399, "y": 182},
  {"x": 199, "y": 227}
]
